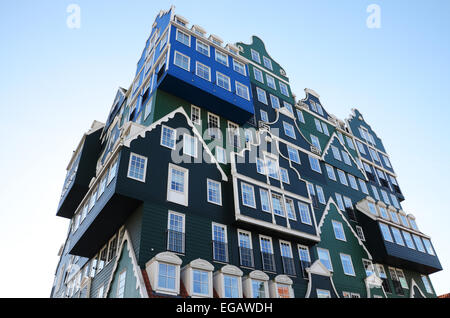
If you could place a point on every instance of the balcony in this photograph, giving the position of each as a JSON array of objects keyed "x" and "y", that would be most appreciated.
[
  {"x": 395, "y": 244},
  {"x": 81, "y": 172}
]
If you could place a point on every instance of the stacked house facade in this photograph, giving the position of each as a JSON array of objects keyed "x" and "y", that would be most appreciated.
[{"x": 210, "y": 179}]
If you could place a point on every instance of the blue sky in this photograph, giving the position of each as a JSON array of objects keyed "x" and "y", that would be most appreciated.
[{"x": 54, "y": 81}]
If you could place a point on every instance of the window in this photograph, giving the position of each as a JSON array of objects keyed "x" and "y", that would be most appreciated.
[
  {"x": 401, "y": 277},
  {"x": 288, "y": 107},
  {"x": 363, "y": 186},
  {"x": 293, "y": 154},
  {"x": 290, "y": 209},
  {"x": 196, "y": 115},
  {"x": 258, "y": 289},
  {"x": 284, "y": 175},
  {"x": 284, "y": 89},
  {"x": 372, "y": 208},
  {"x": 113, "y": 171},
  {"x": 264, "y": 116},
  {"x": 347, "y": 265},
  {"x": 231, "y": 286},
  {"x": 320, "y": 195},
  {"x": 223, "y": 81},
  {"x": 239, "y": 67},
  {"x": 245, "y": 248},
  {"x": 427, "y": 284},
  {"x": 318, "y": 125},
  {"x": 397, "y": 236},
  {"x": 315, "y": 142},
  {"x": 255, "y": 56},
  {"x": 222, "y": 58},
  {"x": 330, "y": 172},
  {"x": 413, "y": 224},
  {"x": 267, "y": 63},
  {"x": 419, "y": 243},
  {"x": 92, "y": 201},
  {"x": 305, "y": 216},
  {"x": 214, "y": 192},
  {"x": 386, "y": 161},
  {"x": 321, "y": 293},
  {"x": 275, "y": 102},
  {"x": 361, "y": 148},
  {"x": 220, "y": 248},
  {"x": 352, "y": 181},
  {"x": 395, "y": 201},
  {"x": 242, "y": 91},
  {"x": 271, "y": 82},
  {"x": 190, "y": 145},
  {"x": 277, "y": 205},
  {"x": 213, "y": 126},
  {"x": 248, "y": 136},
  {"x": 319, "y": 109},
  {"x": 289, "y": 130},
  {"x": 167, "y": 277},
  {"x": 375, "y": 193},
  {"x": 178, "y": 185},
  {"x": 324, "y": 257},
  {"x": 248, "y": 195},
  {"x": 300, "y": 116},
  {"x": 428, "y": 246},
  {"x": 203, "y": 48},
  {"x": 336, "y": 153},
  {"x": 121, "y": 285},
  {"x": 374, "y": 155},
  {"x": 404, "y": 220},
  {"x": 287, "y": 259},
  {"x": 342, "y": 177},
  {"x": 350, "y": 142},
  {"x": 260, "y": 166},
  {"x": 258, "y": 75},
  {"x": 385, "y": 197},
  {"x": 182, "y": 61},
  {"x": 315, "y": 164},
  {"x": 200, "y": 282},
  {"x": 168, "y": 136},
  {"x": 233, "y": 135},
  {"x": 325, "y": 129},
  {"x": 265, "y": 203},
  {"x": 360, "y": 232},
  {"x": 272, "y": 168},
  {"x": 221, "y": 155},
  {"x": 408, "y": 240},
  {"x": 339, "y": 233},
  {"x": 262, "y": 97},
  {"x": 386, "y": 233},
  {"x": 203, "y": 71},
  {"x": 394, "y": 217},
  {"x": 183, "y": 38},
  {"x": 340, "y": 202},
  {"x": 303, "y": 253},
  {"x": 346, "y": 158},
  {"x": 175, "y": 232},
  {"x": 267, "y": 253},
  {"x": 383, "y": 213}
]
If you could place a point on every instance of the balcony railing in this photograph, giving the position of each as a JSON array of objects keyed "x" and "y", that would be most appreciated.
[
  {"x": 288, "y": 265},
  {"x": 246, "y": 256},
  {"x": 304, "y": 265},
  {"x": 220, "y": 251},
  {"x": 175, "y": 241},
  {"x": 268, "y": 262}
]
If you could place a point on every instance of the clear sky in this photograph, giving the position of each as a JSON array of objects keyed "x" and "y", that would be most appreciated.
[{"x": 54, "y": 81}]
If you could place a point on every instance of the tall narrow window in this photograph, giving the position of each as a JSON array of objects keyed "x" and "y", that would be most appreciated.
[
  {"x": 175, "y": 233},
  {"x": 268, "y": 260},
  {"x": 121, "y": 285},
  {"x": 287, "y": 259},
  {"x": 214, "y": 126},
  {"x": 168, "y": 137},
  {"x": 178, "y": 185},
  {"x": 347, "y": 265},
  {"x": 265, "y": 203},
  {"x": 290, "y": 209},
  {"x": 190, "y": 145},
  {"x": 289, "y": 130},
  {"x": 245, "y": 249},
  {"x": 248, "y": 195},
  {"x": 293, "y": 154},
  {"x": 196, "y": 115},
  {"x": 220, "y": 246},
  {"x": 305, "y": 215},
  {"x": 339, "y": 233},
  {"x": 315, "y": 164},
  {"x": 324, "y": 257},
  {"x": 214, "y": 192}
]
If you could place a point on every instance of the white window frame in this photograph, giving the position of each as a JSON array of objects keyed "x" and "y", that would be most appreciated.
[
  {"x": 223, "y": 55},
  {"x": 247, "y": 96},
  {"x": 174, "y": 134},
  {"x": 187, "y": 138},
  {"x": 351, "y": 263},
  {"x": 252, "y": 192},
  {"x": 228, "y": 80},
  {"x": 208, "y": 181},
  {"x": 174, "y": 193},
  {"x": 188, "y": 35},
  {"x": 329, "y": 257},
  {"x": 341, "y": 228},
  {"x": 239, "y": 64},
  {"x": 197, "y": 63},
  {"x": 203, "y": 43},
  {"x": 175, "y": 61}
]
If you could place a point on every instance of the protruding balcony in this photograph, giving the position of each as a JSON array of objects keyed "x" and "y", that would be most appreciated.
[
  {"x": 80, "y": 171},
  {"x": 393, "y": 238}
]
